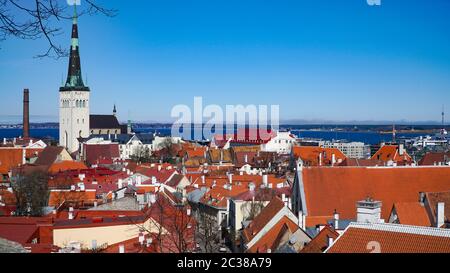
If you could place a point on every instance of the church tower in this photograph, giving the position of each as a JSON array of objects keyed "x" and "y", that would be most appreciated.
[{"x": 73, "y": 99}]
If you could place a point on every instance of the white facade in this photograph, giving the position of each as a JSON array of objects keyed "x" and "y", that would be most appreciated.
[
  {"x": 357, "y": 150},
  {"x": 73, "y": 118},
  {"x": 133, "y": 147},
  {"x": 159, "y": 142},
  {"x": 282, "y": 143}
]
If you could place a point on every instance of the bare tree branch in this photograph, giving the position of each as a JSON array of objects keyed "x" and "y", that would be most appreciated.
[{"x": 41, "y": 19}]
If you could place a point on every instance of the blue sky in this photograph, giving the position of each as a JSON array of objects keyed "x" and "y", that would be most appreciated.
[{"x": 319, "y": 60}]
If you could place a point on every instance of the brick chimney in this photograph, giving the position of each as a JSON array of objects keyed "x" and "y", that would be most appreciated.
[{"x": 26, "y": 113}]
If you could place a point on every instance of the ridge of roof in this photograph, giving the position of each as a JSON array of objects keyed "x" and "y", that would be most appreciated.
[{"x": 417, "y": 230}]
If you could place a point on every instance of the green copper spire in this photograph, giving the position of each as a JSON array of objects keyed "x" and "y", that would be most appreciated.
[{"x": 74, "y": 77}]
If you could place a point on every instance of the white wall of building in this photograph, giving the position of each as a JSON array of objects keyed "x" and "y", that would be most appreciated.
[{"x": 73, "y": 118}]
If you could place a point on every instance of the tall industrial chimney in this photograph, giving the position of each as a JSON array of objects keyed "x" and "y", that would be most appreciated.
[{"x": 26, "y": 113}]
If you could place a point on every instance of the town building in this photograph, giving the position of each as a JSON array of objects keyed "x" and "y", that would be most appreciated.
[{"x": 357, "y": 150}]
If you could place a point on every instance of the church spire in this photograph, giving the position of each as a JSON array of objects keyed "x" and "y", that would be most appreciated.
[{"x": 74, "y": 77}]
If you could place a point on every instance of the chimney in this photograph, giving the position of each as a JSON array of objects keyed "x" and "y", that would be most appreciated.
[
  {"x": 333, "y": 159},
  {"x": 149, "y": 242},
  {"x": 401, "y": 149},
  {"x": 121, "y": 249},
  {"x": 203, "y": 180},
  {"x": 246, "y": 158},
  {"x": 94, "y": 244},
  {"x": 26, "y": 113},
  {"x": 24, "y": 157},
  {"x": 141, "y": 238},
  {"x": 230, "y": 178},
  {"x": 369, "y": 211},
  {"x": 320, "y": 159},
  {"x": 330, "y": 241},
  {"x": 440, "y": 215},
  {"x": 422, "y": 198},
  {"x": 265, "y": 179},
  {"x": 336, "y": 220}
]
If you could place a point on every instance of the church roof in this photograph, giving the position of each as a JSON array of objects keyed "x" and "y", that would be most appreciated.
[{"x": 104, "y": 122}]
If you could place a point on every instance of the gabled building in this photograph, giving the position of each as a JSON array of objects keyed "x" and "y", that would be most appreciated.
[
  {"x": 393, "y": 155},
  {"x": 272, "y": 228}
]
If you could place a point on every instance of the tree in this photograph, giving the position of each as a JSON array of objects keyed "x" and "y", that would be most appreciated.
[
  {"x": 141, "y": 154},
  {"x": 172, "y": 226},
  {"x": 31, "y": 191},
  {"x": 41, "y": 19},
  {"x": 207, "y": 232}
]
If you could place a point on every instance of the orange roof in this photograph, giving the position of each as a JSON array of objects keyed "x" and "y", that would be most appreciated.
[
  {"x": 269, "y": 240},
  {"x": 142, "y": 189},
  {"x": 313, "y": 221},
  {"x": 320, "y": 243},
  {"x": 388, "y": 238},
  {"x": 66, "y": 166},
  {"x": 413, "y": 214},
  {"x": 310, "y": 155},
  {"x": 7, "y": 197},
  {"x": 391, "y": 153},
  {"x": 342, "y": 187},
  {"x": 196, "y": 152},
  {"x": 58, "y": 197},
  {"x": 434, "y": 198},
  {"x": 10, "y": 158},
  {"x": 263, "y": 218}
]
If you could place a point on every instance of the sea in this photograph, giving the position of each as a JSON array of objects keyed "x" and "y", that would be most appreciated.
[{"x": 367, "y": 137}]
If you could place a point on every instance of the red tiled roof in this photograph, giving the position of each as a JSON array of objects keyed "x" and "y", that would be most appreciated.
[
  {"x": 66, "y": 166},
  {"x": 263, "y": 218},
  {"x": 94, "y": 153},
  {"x": 49, "y": 155},
  {"x": 313, "y": 221},
  {"x": 248, "y": 136},
  {"x": 58, "y": 197},
  {"x": 392, "y": 239},
  {"x": 320, "y": 243},
  {"x": 270, "y": 240},
  {"x": 412, "y": 214},
  {"x": 196, "y": 152},
  {"x": 354, "y": 162},
  {"x": 20, "y": 229},
  {"x": 342, "y": 187},
  {"x": 310, "y": 155},
  {"x": 10, "y": 158},
  {"x": 162, "y": 176},
  {"x": 434, "y": 198},
  {"x": 391, "y": 153},
  {"x": 431, "y": 159}
]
